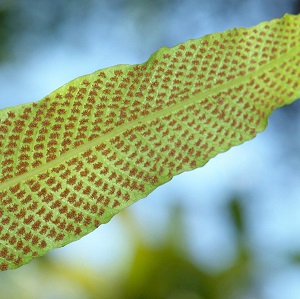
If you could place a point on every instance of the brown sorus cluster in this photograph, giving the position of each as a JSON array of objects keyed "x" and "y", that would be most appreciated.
[{"x": 96, "y": 145}]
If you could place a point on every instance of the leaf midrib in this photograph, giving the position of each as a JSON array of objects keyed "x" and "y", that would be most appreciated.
[{"x": 145, "y": 119}]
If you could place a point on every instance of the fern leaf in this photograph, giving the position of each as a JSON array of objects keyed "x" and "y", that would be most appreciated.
[{"x": 71, "y": 161}]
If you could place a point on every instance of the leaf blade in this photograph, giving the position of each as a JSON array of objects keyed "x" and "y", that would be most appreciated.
[{"x": 99, "y": 143}]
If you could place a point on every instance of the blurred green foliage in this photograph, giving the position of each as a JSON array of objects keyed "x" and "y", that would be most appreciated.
[{"x": 167, "y": 272}]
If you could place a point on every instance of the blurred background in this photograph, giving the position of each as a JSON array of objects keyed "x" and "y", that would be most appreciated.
[{"x": 228, "y": 230}]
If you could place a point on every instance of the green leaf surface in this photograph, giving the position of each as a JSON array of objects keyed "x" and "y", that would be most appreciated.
[{"x": 103, "y": 141}]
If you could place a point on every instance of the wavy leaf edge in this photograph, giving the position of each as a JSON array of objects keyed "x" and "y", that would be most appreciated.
[{"x": 73, "y": 160}]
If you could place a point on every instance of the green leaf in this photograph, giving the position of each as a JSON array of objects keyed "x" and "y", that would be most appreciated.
[{"x": 103, "y": 141}]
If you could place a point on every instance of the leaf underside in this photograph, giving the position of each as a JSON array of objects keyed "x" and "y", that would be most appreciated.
[{"x": 103, "y": 141}]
